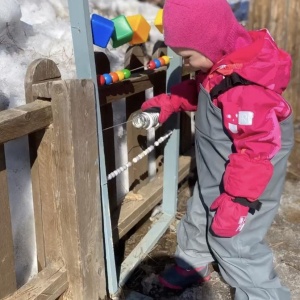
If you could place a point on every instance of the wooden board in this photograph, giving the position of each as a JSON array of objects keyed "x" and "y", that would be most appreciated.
[
  {"x": 7, "y": 262},
  {"x": 25, "y": 119},
  {"x": 49, "y": 284},
  {"x": 78, "y": 187},
  {"x": 282, "y": 20},
  {"x": 38, "y": 81}
]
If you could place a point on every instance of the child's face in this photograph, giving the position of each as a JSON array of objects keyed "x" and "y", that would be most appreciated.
[{"x": 194, "y": 60}]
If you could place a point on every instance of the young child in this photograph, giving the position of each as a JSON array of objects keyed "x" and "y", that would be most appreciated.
[{"x": 243, "y": 136}]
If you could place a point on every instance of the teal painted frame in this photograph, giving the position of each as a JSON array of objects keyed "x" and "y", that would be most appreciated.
[{"x": 85, "y": 69}]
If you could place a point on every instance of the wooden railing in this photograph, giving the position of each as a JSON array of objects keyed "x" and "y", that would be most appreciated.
[{"x": 66, "y": 192}]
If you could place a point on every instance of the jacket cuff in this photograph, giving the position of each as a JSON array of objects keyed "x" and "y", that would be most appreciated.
[{"x": 184, "y": 96}]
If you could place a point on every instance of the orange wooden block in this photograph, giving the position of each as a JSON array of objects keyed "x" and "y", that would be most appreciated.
[
  {"x": 140, "y": 28},
  {"x": 158, "y": 22}
]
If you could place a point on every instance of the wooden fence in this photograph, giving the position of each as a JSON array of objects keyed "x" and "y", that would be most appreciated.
[
  {"x": 281, "y": 18},
  {"x": 60, "y": 121}
]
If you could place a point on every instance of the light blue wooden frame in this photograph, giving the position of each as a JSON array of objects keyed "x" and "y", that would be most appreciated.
[{"x": 85, "y": 67}]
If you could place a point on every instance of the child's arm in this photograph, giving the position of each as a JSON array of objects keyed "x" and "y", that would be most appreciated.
[
  {"x": 251, "y": 119},
  {"x": 251, "y": 116},
  {"x": 183, "y": 97}
]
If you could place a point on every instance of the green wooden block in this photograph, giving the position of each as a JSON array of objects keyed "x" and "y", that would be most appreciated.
[{"x": 123, "y": 33}]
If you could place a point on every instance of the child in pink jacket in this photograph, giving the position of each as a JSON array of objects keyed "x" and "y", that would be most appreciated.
[{"x": 243, "y": 136}]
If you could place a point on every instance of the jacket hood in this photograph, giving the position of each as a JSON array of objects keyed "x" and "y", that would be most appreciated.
[{"x": 261, "y": 62}]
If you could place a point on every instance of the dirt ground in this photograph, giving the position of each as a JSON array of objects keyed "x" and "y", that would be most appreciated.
[{"x": 283, "y": 238}]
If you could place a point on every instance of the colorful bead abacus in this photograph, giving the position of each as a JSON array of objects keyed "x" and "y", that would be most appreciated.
[{"x": 113, "y": 77}]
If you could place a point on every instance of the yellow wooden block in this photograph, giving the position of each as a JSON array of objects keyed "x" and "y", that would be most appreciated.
[
  {"x": 140, "y": 28},
  {"x": 158, "y": 22}
]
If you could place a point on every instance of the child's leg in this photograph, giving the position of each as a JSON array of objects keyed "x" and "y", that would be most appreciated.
[
  {"x": 245, "y": 261},
  {"x": 192, "y": 253},
  {"x": 192, "y": 249}
]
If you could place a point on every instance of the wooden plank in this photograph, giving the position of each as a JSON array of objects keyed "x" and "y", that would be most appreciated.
[
  {"x": 39, "y": 76},
  {"x": 159, "y": 49},
  {"x": 7, "y": 263},
  {"x": 49, "y": 284},
  {"x": 136, "y": 138},
  {"x": 103, "y": 66},
  {"x": 294, "y": 162},
  {"x": 259, "y": 14},
  {"x": 282, "y": 21},
  {"x": 131, "y": 212},
  {"x": 293, "y": 39},
  {"x": 49, "y": 211},
  {"x": 25, "y": 119},
  {"x": 78, "y": 187},
  {"x": 109, "y": 146},
  {"x": 40, "y": 70},
  {"x": 277, "y": 23},
  {"x": 139, "y": 82},
  {"x": 34, "y": 142},
  {"x": 42, "y": 90}
]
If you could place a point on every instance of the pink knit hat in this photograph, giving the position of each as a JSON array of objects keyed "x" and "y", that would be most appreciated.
[{"x": 208, "y": 26}]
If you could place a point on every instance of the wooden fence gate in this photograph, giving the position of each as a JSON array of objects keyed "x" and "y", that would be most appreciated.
[{"x": 65, "y": 180}]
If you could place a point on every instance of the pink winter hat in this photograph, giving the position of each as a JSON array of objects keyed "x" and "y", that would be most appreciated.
[{"x": 208, "y": 26}]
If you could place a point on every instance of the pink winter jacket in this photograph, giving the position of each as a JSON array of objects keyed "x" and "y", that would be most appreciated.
[{"x": 251, "y": 113}]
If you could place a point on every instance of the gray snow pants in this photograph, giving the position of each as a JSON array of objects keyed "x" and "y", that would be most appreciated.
[{"x": 245, "y": 261}]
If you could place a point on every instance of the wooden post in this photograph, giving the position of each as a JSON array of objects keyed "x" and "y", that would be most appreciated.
[
  {"x": 136, "y": 138},
  {"x": 7, "y": 263},
  {"x": 78, "y": 187},
  {"x": 41, "y": 73},
  {"x": 159, "y": 49},
  {"x": 103, "y": 66}
]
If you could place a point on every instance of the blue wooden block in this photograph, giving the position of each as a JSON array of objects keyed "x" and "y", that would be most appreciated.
[{"x": 102, "y": 30}]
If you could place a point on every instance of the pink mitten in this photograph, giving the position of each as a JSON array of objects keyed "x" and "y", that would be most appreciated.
[
  {"x": 183, "y": 97},
  {"x": 163, "y": 102},
  {"x": 229, "y": 218}
]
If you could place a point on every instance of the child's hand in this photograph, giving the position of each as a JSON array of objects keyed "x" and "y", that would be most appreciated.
[
  {"x": 230, "y": 217},
  {"x": 164, "y": 104},
  {"x": 184, "y": 97}
]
